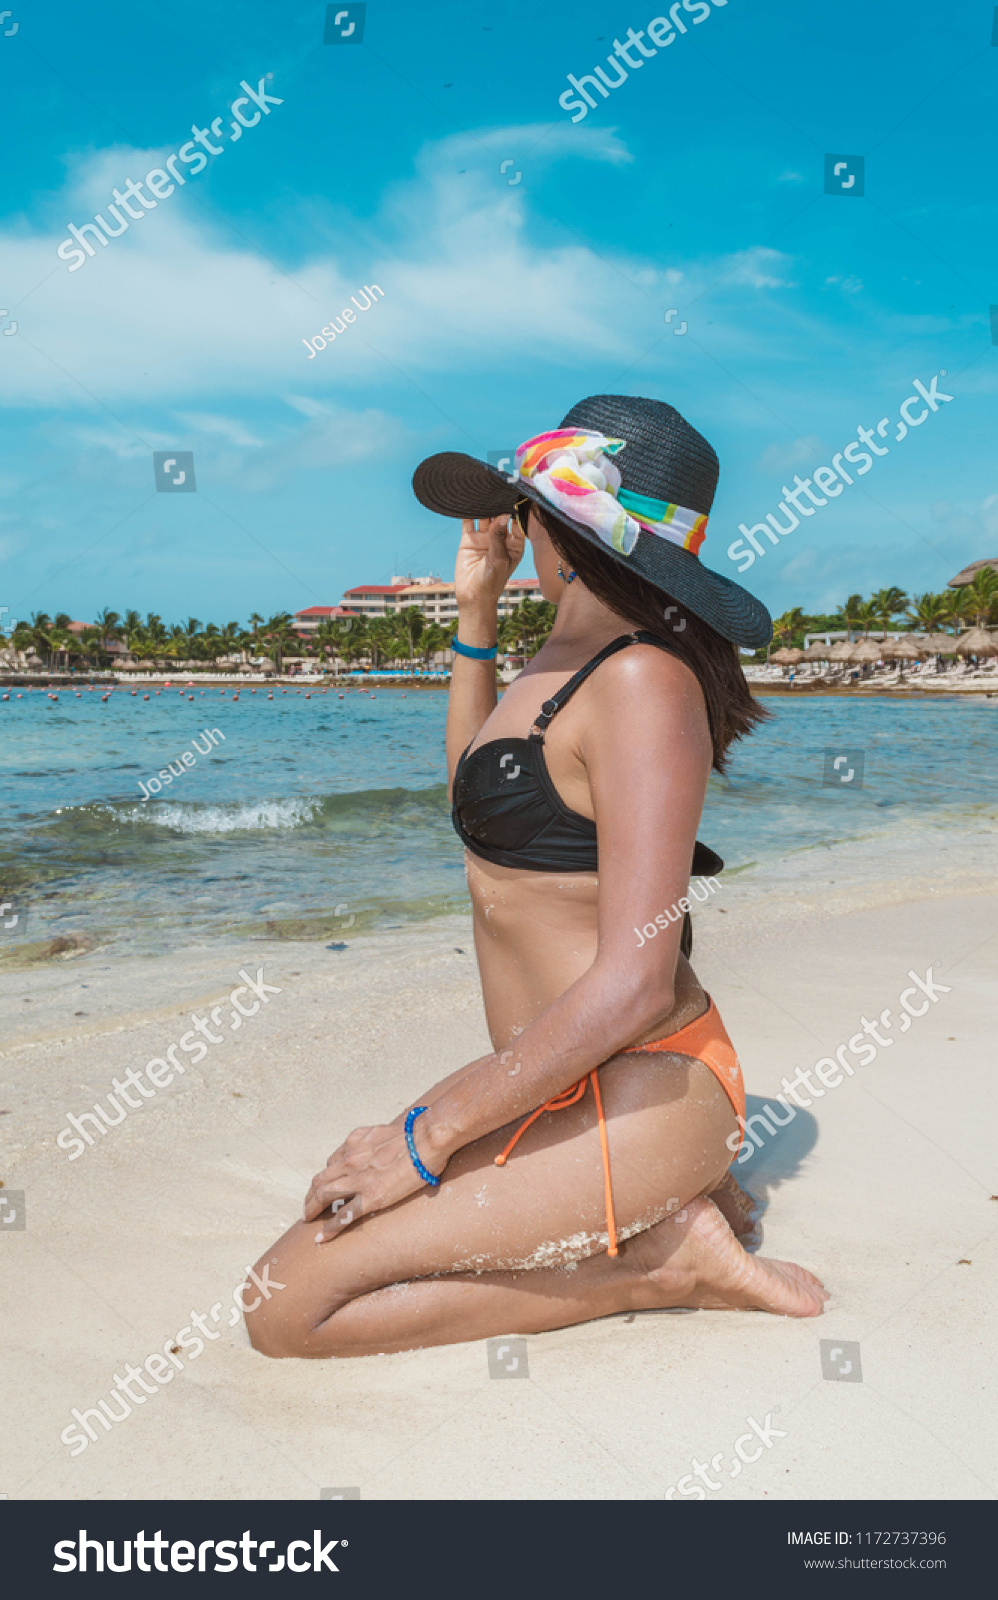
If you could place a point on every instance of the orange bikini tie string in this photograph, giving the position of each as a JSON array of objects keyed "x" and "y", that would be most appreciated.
[{"x": 561, "y": 1102}]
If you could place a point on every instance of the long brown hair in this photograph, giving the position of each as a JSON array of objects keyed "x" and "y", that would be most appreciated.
[{"x": 731, "y": 711}]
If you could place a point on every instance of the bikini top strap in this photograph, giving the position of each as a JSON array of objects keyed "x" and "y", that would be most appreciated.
[{"x": 551, "y": 707}]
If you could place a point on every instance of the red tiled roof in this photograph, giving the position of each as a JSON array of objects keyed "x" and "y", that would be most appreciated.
[
  {"x": 322, "y": 611},
  {"x": 376, "y": 588}
]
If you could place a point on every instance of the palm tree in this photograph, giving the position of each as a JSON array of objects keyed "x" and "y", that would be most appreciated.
[
  {"x": 255, "y": 624},
  {"x": 927, "y": 612},
  {"x": 137, "y": 640},
  {"x": 108, "y": 625},
  {"x": 66, "y": 640},
  {"x": 959, "y": 605},
  {"x": 866, "y": 614},
  {"x": 231, "y": 635},
  {"x": 326, "y": 636},
  {"x": 531, "y": 623},
  {"x": 848, "y": 615},
  {"x": 786, "y": 626},
  {"x": 383, "y": 634},
  {"x": 433, "y": 639},
  {"x": 412, "y": 622},
  {"x": 36, "y": 635},
  {"x": 90, "y": 644},
  {"x": 193, "y": 639},
  {"x": 280, "y": 637},
  {"x": 351, "y": 637},
  {"x": 212, "y": 642},
  {"x": 886, "y": 603},
  {"x": 983, "y": 594}
]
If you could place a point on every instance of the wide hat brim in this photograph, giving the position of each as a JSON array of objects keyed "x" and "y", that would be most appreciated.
[{"x": 458, "y": 485}]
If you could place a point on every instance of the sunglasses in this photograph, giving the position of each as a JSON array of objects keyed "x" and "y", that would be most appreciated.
[{"x": 521, "y": 512}]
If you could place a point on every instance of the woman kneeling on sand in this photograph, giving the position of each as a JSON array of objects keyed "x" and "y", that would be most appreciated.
[{"x": 501, "y": 1199}]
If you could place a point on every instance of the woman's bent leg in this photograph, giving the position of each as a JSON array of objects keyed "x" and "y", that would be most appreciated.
[
  {"x": 503, "y": 1236},
  {"x": 691, "y": 1260}
]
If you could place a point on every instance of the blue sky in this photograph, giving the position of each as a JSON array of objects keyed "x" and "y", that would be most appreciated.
[{"x": 697, "y": 185}]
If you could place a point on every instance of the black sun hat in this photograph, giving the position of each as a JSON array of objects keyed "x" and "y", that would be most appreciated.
[{"x": 632, "y": 478}]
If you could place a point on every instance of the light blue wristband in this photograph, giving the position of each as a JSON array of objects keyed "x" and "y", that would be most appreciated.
[{"x": 473, "y": 651}]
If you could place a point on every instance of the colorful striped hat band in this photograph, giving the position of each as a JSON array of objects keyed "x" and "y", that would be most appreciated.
[{"x": 574, "y": 471}]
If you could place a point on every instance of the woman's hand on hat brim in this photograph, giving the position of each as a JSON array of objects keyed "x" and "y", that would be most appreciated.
[{"x": 491, "y": 549}]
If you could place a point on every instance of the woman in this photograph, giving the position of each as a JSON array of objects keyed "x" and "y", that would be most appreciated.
[{"x": 477, "y": 1213}]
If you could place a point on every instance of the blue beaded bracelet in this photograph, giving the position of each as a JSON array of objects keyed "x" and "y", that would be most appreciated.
[
  {"x": 473, "y": 650},
  {"x": 427, "y": 1177}
]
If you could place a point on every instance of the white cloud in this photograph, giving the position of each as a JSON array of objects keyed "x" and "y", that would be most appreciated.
[
  {"x": 779, "y": 458},
  {"x": 181, "y": 306},
  {"x": 759, "y": 266},
  {"x": 228, "y": 428}
]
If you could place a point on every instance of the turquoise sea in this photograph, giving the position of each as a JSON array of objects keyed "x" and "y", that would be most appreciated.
[{"x": 324, "y": 817}]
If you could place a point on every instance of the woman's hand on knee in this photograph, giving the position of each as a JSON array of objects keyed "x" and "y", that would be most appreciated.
[{"x": 371, "y": 1171}]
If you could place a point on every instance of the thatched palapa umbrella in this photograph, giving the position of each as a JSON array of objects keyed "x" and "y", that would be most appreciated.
[
  {"x": 977, "y": 643},
  {"x": 817, "y": 650},
  {"x": 841, "y": 651},
  {"x": 903, "y": 650},
  {"x": 868, "y": 650},
  {"x": 940, "y": 644}
]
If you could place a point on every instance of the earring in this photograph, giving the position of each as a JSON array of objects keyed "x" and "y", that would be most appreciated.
[{"x": 561, "y": 575}]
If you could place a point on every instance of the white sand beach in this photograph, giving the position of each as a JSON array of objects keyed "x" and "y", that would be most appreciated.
[{"x": 886, "y": 1188}]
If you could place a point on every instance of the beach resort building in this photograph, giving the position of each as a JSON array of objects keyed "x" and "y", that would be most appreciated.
[
  {"x": 436, "y": 599},
  {"x": 375, "y": 599},
  {"x": 308, "y": 620}
]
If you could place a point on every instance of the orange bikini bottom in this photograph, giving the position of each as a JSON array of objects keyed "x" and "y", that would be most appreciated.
[{"x": 705, "y": 1039}]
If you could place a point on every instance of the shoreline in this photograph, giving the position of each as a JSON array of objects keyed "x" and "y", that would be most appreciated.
[
  {"x": 907, "y": 691},
  {"x": 211, "y": 681},
  {"x": 896, "y": 691}
]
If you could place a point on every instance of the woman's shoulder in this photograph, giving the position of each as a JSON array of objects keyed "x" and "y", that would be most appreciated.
[{"x": 648, "y": 668}]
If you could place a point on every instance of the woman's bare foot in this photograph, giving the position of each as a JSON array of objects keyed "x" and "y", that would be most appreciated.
[
  {"x": 693, "y": 1259},
  {"x": 737, "y": 1207}
]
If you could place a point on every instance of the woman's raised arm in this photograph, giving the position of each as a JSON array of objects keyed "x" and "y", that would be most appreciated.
[{"x": 487, "y": 556}]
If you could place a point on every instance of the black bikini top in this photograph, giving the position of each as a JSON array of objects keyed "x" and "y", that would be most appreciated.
[{"x": 507, "y": 810}]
